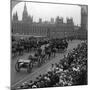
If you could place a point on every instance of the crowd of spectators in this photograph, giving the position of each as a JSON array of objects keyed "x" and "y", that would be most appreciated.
[{"x": 71, "y": 70}]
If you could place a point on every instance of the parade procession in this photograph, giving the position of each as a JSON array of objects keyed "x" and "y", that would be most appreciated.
[{"x": 49, "y": 48}]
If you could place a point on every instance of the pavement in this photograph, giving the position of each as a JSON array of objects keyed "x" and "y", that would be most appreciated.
[{"x": 19, "y": 77}]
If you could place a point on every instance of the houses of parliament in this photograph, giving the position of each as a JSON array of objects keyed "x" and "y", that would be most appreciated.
[{"x": 51, "y": 29}]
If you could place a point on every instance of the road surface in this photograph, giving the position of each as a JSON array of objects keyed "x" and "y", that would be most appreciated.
[{"x": 19, "y": 77}]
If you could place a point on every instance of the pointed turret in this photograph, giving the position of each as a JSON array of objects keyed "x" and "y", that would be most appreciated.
[{"x": 15, "y": 17}]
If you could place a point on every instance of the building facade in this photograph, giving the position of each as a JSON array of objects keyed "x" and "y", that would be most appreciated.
[{"x": 52, "y": 29}]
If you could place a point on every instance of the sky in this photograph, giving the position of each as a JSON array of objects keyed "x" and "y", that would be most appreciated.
[{"x": 47, "y": 11}]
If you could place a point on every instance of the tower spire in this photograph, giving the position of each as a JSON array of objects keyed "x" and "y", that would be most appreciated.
[
  {"x": 25, "y": 13},
  {"x": 25, "y": 7}
]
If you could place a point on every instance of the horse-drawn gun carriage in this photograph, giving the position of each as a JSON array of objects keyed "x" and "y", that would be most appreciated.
[
  {"x": 41, "y": 54},
  {"x": 22, "y": 63},
  {"x": 33, "y": 60}
]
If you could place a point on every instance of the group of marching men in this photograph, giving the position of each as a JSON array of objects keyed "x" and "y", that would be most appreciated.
[{"x": 19, "y": 47}]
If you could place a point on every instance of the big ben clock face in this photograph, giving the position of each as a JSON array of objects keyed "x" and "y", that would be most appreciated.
[{"x": 84, "y": 9}]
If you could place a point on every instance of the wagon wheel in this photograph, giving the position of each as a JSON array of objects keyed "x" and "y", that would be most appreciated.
[
  {"x": 29, "y": 68},
  {"x": 17, "y": 67},
  {"x": 47, "y": 57},
  {"x": 39, "y": 62}
]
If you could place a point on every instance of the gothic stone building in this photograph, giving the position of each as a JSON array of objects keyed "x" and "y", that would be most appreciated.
[{"x": 58, "y": 29}]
